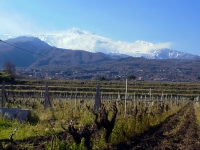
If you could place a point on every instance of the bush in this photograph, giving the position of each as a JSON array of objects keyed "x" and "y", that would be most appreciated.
[
  {"x": 102, "y": 79},
  {"x": 131, "y": 77},
  {"x": 33, "y": 118},
  {"x": 7, "y": 77}
]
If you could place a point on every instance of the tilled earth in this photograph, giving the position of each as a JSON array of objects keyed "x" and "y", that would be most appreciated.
[{"x": 179, "y": 132}]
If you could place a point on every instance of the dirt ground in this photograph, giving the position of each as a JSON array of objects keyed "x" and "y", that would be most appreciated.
[{"x": 179, "y": 132}]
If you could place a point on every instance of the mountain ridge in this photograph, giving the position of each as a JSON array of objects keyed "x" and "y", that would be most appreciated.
[
  {"x": 32, "y": 52},
  {"x": 81, "y": 64},
  {"x": 28, "y": 47},
  {"x": 77, "y": 39}
]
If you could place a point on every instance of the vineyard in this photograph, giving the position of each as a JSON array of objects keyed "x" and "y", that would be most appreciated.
[{"x": 150, "y": 115}]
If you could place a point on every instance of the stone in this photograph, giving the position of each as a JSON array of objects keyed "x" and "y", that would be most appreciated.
[{"x": 14, "y": 113}]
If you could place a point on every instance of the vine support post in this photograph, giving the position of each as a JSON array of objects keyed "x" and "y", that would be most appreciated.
[
  {"x": 47, "y": 100},
  {"x": 125, "y": 100},
  {"x": 150, "y": 94},
  {"x": 3, "y": 95},
  {"x": 134, "y": 100},
  {"x": 76, "y": 100},
  {"x": 97, "y": 100}
]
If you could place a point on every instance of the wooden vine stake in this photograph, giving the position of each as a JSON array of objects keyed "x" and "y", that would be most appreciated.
[
  {"x": 3, "y": 95},
  {"x": 97, "y": 100},
  {"x": 47, "y": 100},
  {"x": 118, "y": 98},
  {"x": 125, "y": 101},
  {"x": 76, "y": 100},
  {"x": 150, "y": 94}
]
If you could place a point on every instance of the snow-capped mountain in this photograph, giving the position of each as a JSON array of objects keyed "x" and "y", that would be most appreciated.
[
  {"x": 173, "y": 54},
  {"x": 84, "y": 40}
]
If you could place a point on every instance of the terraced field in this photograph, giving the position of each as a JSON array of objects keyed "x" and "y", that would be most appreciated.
[{"x": 157, "y": 116}]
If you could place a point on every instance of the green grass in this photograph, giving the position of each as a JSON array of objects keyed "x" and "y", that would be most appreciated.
[{"x": 197, "y": 112}]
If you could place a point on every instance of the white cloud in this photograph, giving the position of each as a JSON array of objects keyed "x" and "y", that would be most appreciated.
[
  {"x": 84, "y": 40},
  {"x": 139, "y": 46},
  {"x": 161, "y": 45}
]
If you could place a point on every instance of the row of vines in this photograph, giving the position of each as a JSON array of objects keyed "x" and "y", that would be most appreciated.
[{"x": 71, "y": 122}]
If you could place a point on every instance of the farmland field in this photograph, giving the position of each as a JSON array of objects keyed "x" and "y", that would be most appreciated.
[{"x": 155, "y": 116}]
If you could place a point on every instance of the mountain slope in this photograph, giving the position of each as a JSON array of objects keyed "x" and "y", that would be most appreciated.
[
  {"x": 89, "y": 65},
  {"x": 26, "y": 56},
  {"x": 77, "y": 39},
  {"x": 63, "y": 57},
  {"x": 21, "y": 57},
  {"x": 173, "y": 54}
]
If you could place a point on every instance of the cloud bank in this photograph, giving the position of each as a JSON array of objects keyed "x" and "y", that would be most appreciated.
[{"x": 85, "y": 40}]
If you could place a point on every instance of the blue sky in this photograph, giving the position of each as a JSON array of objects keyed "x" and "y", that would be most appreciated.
[{"x": 156, "y": 21}]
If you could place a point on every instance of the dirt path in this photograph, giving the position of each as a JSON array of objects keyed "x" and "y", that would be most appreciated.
[{"x": 178, "y": 132}]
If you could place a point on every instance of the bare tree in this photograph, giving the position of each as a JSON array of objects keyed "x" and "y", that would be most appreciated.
[{"x": 10, "y": 68}]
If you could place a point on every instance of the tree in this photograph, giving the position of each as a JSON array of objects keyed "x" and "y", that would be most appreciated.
[
  {"x": 102, "y": 79},
  {"x": 10, "y": 68},
  {"x": 5, "y": 76},
  {"x": 131, "y": 77}
]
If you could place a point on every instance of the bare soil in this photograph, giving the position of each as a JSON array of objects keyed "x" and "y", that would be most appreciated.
[{"x": 179, "y": 132}]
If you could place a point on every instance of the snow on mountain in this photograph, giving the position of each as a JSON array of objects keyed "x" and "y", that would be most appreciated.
[
  {"x": 80, "y": 39},
  {"x": 173, "y": 54},
  {"x": 77, "y": 39},
  {"x": 84, "y": 40}
]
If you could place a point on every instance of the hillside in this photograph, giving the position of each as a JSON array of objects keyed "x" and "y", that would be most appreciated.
[
  {"x": 53, "y": 56},
  {"x": 76, "y": 39},
  {"x": 87, "y": 65}
]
